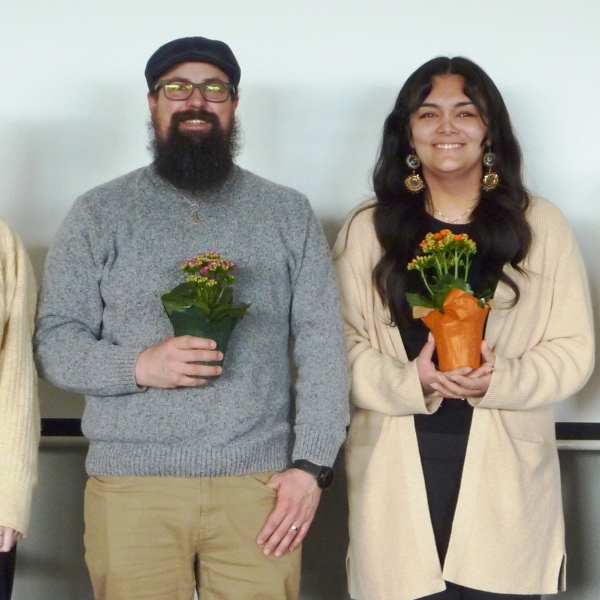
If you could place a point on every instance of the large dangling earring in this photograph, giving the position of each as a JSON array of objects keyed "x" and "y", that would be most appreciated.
[
  {"x": 414, "y": 182},
  {"x": 490, "y": 180}
]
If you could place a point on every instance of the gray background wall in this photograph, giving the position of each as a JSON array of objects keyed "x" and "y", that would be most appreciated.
[
  {"x": 51, "y": 565},
  {"x": 318, "y": 78}
]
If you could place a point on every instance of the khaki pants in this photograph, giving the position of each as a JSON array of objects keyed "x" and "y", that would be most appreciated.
[{"x": 158, "y": 538}]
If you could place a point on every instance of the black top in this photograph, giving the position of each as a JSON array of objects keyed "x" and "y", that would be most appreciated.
[{"x": 454, "y": 415}]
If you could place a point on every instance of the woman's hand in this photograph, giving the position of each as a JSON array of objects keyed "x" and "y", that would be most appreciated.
[
  {"x": 8, "y": 538},
  {"x": 432, "y": 379},
  {"x": 473, "y": 384}
]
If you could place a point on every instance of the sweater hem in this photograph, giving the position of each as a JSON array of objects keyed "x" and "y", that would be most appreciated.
[{"x": 153, "y": 460}]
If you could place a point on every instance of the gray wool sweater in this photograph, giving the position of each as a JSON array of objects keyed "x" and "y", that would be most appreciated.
[{"x": 283, "y": 391}]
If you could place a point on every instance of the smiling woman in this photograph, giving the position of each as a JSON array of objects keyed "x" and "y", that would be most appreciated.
[
  {"x": 447, "y": 135},
  {"x": 454, "y": 474}
]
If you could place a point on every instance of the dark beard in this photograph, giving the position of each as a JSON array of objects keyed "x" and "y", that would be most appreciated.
[{"x": 194, "y": 161}]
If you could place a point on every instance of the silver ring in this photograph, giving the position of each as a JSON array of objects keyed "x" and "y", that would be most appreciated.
[{"x": 294, "y": 528}]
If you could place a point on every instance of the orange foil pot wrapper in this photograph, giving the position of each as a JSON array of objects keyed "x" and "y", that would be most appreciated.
[{"x": 459, "y": 331}]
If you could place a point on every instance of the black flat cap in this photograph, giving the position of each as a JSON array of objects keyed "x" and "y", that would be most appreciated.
[{"x": 192, "y": 49}]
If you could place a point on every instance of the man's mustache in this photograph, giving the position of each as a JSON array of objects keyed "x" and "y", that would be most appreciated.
[{"x": 200, "y": 113}]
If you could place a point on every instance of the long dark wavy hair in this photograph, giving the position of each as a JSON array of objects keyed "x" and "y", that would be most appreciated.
[{"x": 499, "y": 224}]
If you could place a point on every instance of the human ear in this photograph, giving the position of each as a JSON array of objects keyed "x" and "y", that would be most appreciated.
[{"x": 152, "y": 101}]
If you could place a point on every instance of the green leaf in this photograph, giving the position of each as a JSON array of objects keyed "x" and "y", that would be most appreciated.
[
  {"x": 174, "y": 305},
  {"x": 189, "y": 294},
  {"x": 202, "y": 305},
  {"x": 186, "y": 289},
  {"x": 178, "y": 298},
  {"x": 227, "y": 310},
  {"x": 419, "y": 300},
  {"x": 442, "y": 287},
  {"x": 448, "y": 282},
  {"x": 227, "y": 296}
]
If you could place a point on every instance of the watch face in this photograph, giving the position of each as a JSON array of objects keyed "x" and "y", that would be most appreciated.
[{"x": 325, "y": 477}]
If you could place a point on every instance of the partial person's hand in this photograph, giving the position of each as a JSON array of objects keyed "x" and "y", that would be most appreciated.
[
  {"x": 298, "y": 496},
  {"x": 169, "y": 363},
  {"x": 8, "y": 538},
  {"x": 472, "y": 385},
  {"x": 429, "y": 376}
]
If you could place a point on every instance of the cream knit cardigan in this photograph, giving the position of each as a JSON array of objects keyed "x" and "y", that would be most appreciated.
[
  {"x": 19, "y": 413},
  {"x": 508, "y": 530}
]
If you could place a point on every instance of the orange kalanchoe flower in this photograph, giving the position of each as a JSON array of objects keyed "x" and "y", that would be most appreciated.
[{"x": 445, "y": 264}]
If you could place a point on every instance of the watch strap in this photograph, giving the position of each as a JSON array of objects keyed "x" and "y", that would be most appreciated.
[
  {"x": 323, "y": 475},
  {"x": 309, "y": 467}
]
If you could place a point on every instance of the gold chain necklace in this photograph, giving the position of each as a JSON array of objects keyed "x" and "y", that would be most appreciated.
[
  {"x": 455, "y": 221},
  {"x": 195, "y": 217}
]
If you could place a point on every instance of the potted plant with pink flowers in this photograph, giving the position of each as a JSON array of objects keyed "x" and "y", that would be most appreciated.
[{"x": 203, "y": 305}]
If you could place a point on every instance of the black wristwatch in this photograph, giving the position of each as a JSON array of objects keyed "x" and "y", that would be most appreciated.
[{"x": 324, "y": 475}]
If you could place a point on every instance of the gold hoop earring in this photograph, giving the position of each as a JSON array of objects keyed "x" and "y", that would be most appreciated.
[
  {"x": 414, "y": 182},
  {"x": 490, "y": 180}
]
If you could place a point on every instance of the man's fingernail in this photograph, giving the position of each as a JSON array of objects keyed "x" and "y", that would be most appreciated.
[
  {"x": 266, "y": 552},
  {"x": 278, "y": 553},
  {"x": 260, "y": 542}
]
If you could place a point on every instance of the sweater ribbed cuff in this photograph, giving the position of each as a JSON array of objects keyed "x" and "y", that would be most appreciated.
[
  {"x": 16, "y": 507},
  {"x": 120, "y": 377},
  {"x": 320, "y": 447}
]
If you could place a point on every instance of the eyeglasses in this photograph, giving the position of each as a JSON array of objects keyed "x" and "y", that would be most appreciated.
[{"x": 211, "y": 91}]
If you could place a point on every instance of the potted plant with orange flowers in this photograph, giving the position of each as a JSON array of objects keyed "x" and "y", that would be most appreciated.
[
  {"x": 203, "y": 305},
  {"x": 450, "y": 310}
]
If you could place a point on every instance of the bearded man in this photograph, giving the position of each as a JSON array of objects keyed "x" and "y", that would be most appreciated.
[{"x": 196, "y": 481}]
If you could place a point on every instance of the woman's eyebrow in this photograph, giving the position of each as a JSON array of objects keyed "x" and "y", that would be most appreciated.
[{"x": 434, "y": 105}]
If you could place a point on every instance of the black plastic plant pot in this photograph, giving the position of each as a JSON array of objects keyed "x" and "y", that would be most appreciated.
[{"x": 192, "y": 321}]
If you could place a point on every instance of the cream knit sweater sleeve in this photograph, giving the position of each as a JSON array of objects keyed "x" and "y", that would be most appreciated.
[
  {"x": 382, "y": 377},
  {"x": 545, "y": 349},
  {"x": 19, "y": 411}
]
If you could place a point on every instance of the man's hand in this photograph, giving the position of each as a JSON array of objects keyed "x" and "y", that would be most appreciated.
[
  {"x": 298, "y": 496},
  {"x": 8, "y": 538},
  {"x": 169, "y": 363}
]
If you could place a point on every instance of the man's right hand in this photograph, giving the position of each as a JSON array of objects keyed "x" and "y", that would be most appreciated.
[{"x": 170, "y": 363}]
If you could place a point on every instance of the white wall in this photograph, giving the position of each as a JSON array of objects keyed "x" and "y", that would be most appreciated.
[{"x": 318, "y": 78}]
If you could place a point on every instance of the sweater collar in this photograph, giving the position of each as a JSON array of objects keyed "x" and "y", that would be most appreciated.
[{"x": 217, "y": 194}]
